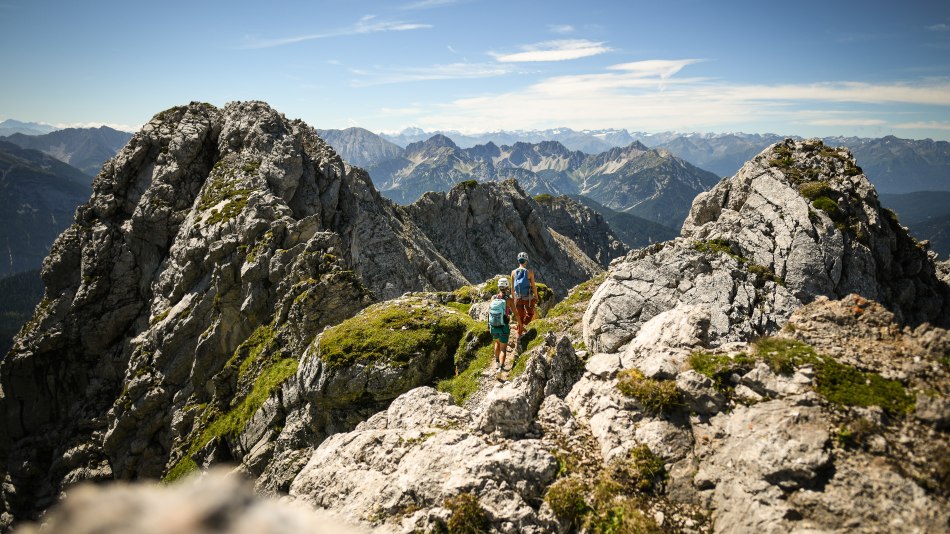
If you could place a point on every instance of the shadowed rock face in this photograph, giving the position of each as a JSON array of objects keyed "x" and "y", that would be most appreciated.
[
  {"x": 216, "y": 245},
  {"x": 796, "y": 222}
]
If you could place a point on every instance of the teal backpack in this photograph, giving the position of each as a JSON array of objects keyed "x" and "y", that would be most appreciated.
[{"x": 496, "y": 312}]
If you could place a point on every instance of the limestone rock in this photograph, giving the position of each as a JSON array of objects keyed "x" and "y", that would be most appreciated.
[
  {"x": 797, "y": 222},
  {"x": 511, "y": 410},
  {"x": 400, "y": 467},
  {"x": 699, "y": 393}
]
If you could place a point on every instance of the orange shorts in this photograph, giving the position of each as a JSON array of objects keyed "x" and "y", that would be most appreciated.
[{"x": 524, "y": 309}]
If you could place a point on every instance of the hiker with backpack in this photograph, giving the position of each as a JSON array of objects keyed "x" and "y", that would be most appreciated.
[
  {"x": 525, "y": 293},
  {"x": 499, "y": 310}
]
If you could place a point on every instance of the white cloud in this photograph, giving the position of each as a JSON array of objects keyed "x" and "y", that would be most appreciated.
[
  {"x": 938, "y": 28},
  {"x": 653, "y": 95},
  {"x": 367, "y": 24},
  {"x": 451, "y": 71},
  {"x": 561, "y": 28},
  {"x": 664, "y": 68},
  {"x": 925, "y": 125},
  {"x": 845, "y": 122},
  {"x": 561, "y": 50}
]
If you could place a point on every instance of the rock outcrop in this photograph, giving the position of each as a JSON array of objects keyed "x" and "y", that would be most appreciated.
[
  {"x": 216, "y": 246},
  {"x": 797, "y": 222},
  {"x": 481, "y": 228}
]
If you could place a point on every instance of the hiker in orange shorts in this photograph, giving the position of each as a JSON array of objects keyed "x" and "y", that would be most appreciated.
[{"x": 525, "y": 292}]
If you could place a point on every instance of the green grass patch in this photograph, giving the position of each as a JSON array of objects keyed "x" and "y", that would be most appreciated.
[
  {"x": 826, "y": 205},
  {"x": 462, "y": 385},
  {"x": 764, "y": 273},
  {"x": 544, "y": 198},
  {"x": 784, "y": 355},
  {"x": 393, "y": 334},
  {"x": 183, "y": 468},
  {"x": 719, "y": 246},
  {"x": 581, "y": 294},
  {"x": 263, "y": 338},
  {"x": 251, "y": 166},
  {"x": 468, "y": 184},
  {"x": 641, "y": 471},
  {"x": 719, "y": 367},
  {"x": 566, "y": 499},
  {"x": 221, "y": 189},
  {"x": 468, "y": 516},
  {"x": 839, "y": 383},
  {"x": 814, "y": 190},
  {"x": 654, "y": 395},
  {"x": 232, "y": 423},
  {"x": 460, "y": 306},
  {"x": 844, "y": 385}
]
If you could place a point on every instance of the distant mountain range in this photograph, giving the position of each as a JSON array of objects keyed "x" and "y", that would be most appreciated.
[
  {"x": 39, "y": 195},
  {"x": 652, "y": 184},
  {"x": 587, "y": 141},
  {"x": 12, "y": 126},
  {"x": 892, "y": 164},
  {"x": 84, "y": 148}
]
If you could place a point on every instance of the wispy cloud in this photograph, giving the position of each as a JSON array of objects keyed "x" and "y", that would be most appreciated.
[
  {"x": 924, "y": 125},
  {"x": 561, "y": 28},
  {"x": 426, "y": 4},
  {"x": 662, "y": 68},
  {"x": 845, "y": 122},
  {"x": 451, "y": 71},
  {"x": 367, "y": 24},
  {"x": 561, "y": 50},
  {"x": 938, "y": 27},
  {"x": 654, "y": 95}
]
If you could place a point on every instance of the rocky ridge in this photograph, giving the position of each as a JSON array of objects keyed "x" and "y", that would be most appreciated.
[
  {"x": 798, "y": 221},
  {"x": 215, "y": 247}
]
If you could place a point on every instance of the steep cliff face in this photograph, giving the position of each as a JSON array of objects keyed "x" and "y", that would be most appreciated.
[
  {"x": 798, "y": 221},
  {"x": 216, "y": 245},
  {"x": 482, "y": 227}
]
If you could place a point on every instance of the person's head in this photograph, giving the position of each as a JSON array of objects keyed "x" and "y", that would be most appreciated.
[
  {"x": 523, "y": 258},
  {"x": 503, "y": 284}
]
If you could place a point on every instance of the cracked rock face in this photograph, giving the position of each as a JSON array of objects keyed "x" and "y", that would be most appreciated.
[{"x": 796, "y": 222}]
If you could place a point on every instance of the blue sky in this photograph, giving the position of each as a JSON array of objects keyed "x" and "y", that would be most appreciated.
[{"x": 863, "y": 68}]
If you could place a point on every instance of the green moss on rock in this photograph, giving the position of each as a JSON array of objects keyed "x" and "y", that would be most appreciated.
[
  {"x": 468, "y": 516},
  {"x": 815, "y": 189},
  {"x": 393, "y": 334},
  {"x": 566, "y": 499},
  {"x": 654, "y": 395},
  {"x": 719, "y": 367}
]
